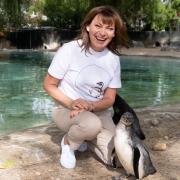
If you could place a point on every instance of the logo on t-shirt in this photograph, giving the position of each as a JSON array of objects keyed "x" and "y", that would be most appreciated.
[
  {"x": 92, "y": 81},
  {"x": 97, "y": 91}
]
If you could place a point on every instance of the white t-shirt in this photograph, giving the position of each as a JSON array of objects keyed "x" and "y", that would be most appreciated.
[{"x": 85, "y": 75}]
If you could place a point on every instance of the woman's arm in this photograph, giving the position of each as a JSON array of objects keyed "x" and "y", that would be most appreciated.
[
  {"x": 51, "y": 87},
  {"x": 106, "y": 102}
]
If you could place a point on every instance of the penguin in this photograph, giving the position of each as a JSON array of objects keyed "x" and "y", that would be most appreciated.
[
  {"x": 131, "y": 152},
  {"x": 120, "y": 106}
]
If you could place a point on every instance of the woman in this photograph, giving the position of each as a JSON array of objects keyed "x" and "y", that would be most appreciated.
[{"x": 83, "y": 78}]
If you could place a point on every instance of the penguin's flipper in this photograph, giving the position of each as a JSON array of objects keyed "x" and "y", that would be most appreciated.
[
  {"x": 136, "y": 162},
  {"x": 148, "y": 165},
  {"x": 137, "y": 127}
]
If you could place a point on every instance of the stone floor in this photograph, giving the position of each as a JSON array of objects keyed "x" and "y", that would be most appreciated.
[{"x": 33, "y": 154}]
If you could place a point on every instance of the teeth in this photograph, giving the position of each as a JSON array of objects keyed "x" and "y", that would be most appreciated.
[{"x": 100, "y": 39}]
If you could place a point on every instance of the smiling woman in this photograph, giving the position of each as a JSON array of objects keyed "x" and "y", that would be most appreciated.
[
  {"x": 100, "y": 33},
  {"x": 83, "y": 78},
  {"x": 101, "y": 24}
]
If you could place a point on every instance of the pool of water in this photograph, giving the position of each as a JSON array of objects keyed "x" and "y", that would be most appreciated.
[
  {"x": 23, "y": 103},
  {"x": 150, "y": 81}
]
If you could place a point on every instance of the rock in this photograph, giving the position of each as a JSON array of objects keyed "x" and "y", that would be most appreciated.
[
  {"x": 172, "y": 178},
  {"x": 159, "y": 147},
  {"x": 166, "y": 137},
  {"x": 38, "y": 173},
  {"x": 138, "y": 44},
  {"x": 154, "y": 122}
]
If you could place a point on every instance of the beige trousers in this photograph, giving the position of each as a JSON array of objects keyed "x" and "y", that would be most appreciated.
[{"x": 97, "y": 129}]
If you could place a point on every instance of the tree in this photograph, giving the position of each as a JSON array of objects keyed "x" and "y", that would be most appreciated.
[
  {"x": 163, "y": 13},
  {"x": 12, "y": 12},
  {"x": 138, "y": 15},
  {"x": 34, "y": 13},
  {"x": 175, "y": 4},
  {"x": 2, "y": 16},
  {"x": 65, "y": 13},
  {"x": 143, "y": 15}
]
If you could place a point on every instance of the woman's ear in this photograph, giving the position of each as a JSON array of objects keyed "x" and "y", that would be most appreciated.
[{"x": 87, "y": 28}]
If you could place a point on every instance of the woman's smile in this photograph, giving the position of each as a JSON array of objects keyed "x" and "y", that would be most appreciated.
[{"x": 100, "y": 34}]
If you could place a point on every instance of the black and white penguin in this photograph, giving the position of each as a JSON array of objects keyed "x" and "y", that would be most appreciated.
[
  {"x": 120, "y": 106},
  {"x": 131, "y": 152}
]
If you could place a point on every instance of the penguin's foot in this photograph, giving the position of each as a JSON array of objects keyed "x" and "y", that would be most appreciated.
[
  {"x": 125, "y": 175},
  {"x": 115, "y": 163},
  {"x": 116, "y": 178},
  {"x": 120, "y": 177}
]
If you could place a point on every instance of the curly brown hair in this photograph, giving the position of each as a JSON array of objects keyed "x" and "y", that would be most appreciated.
[{"x": 108, "y": 15}]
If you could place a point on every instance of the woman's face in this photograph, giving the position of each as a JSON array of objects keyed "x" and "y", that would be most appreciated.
[{"x": 100, "y": 34}]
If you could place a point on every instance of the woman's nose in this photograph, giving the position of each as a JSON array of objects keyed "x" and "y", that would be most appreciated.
[{"x": 102, "y": 32}]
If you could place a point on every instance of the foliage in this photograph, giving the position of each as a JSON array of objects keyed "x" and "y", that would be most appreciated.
[
  {"x": 175, "y": 5},
  {"x": 65, "y": 13},
  {"x": 2, "y": 17},
  {"x": 36, "y": 6},
  {"x": 146, "y": 15},
  {"x": 34, "y": 13},
  {"x": 161, "y": 16},
  {"x": 138, "y": 15},
  {"x": 12, "y": 12}
]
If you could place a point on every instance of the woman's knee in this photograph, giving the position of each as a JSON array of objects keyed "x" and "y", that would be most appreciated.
[
  {"x": 60, "y": 119},
  {"x": 90, "y": 123},
  {"x": 55, "y": 115}
]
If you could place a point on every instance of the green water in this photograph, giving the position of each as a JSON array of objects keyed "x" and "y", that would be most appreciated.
[
  {"x": 150, "y": 81},
  {"x": 23, "y": 102}
]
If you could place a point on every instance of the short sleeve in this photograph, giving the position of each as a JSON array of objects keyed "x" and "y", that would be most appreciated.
[
  {"x": 60, "y": 62},
  {"x": 116, "y": 80}
]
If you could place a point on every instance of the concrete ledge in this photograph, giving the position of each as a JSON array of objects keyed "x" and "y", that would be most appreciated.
[{"x": 158, "y": 52}]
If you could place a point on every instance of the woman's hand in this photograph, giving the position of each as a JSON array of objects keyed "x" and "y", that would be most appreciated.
[
  {"x": 106, "y": 102},
  {"x": 79, "y": 104},
  {"x": 100, "y": 105},
  {"x": 74, "y": 113}
]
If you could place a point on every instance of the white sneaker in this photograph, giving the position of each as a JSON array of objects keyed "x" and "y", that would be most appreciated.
[
  {"x": 83, "y": 147},
  {"x": 67, "y": 158}
]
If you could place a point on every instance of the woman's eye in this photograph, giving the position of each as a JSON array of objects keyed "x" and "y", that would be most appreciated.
[
  {"x": 97, "y": 25},
  {"x": 111, "y": 29}
]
